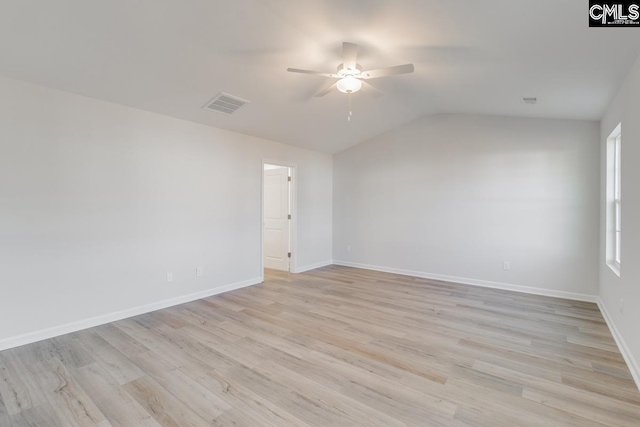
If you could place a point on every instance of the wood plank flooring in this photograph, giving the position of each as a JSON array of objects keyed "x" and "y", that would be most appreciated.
[{"x": 335, "y": 346}]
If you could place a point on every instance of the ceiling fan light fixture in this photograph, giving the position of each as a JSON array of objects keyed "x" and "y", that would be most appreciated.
[{"x": 349, "y": 84}]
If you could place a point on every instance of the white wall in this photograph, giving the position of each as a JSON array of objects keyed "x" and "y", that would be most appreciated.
[
  {"x": 98, "y": 202},
  {"x": 453, "y": 196},
  {"x": 625, "y": 109}
]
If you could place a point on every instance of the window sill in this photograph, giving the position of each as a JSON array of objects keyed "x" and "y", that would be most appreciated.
[{"x": 614, "y": 267}]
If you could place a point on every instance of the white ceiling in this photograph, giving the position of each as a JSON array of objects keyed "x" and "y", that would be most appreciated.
[{"x": 171, "y": 56}]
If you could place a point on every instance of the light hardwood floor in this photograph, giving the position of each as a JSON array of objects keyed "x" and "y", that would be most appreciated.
[{"x": 334, "y": 346}]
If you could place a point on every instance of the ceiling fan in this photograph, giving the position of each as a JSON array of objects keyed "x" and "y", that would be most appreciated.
[{"x": 350, "y": 76}]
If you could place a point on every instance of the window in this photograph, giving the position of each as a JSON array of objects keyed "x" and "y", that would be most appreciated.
[
  {"x": 614, "y": 200},
  {"x": 616, "y": 197}
]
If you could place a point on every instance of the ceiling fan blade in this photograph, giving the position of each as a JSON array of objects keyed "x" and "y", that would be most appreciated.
[
  {"x": 391, "y": 71},
  {"x": 349, "y": 55},
  {"x": 326, "y": 90},
  {"x": 369, "y": 89},
  {"x": 315, "y": 73}
]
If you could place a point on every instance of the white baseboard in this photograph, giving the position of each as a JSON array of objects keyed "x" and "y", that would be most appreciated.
[
  {"x": 67, "y": 328},
  {"x": 633, "y": 365},
  {"x": 474, "y": 282},
  {"x": 313, "y": 266}
]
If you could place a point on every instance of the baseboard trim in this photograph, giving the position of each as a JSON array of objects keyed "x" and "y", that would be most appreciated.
[
  {"x": 313, "y": 266},
  {"x": 67, "y": 328},
  {"x": 632, "y": 364},
  {"x": 474, "y": 282}
]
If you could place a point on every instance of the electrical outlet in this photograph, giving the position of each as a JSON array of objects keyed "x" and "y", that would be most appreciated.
[
  {"x": 506, "y": 265},
  {"x": 621, "y": 306},
  {"x": 348, "y": 248},
  {"x": 198, "y": 271},
  {"x": 169, "y": 277}
]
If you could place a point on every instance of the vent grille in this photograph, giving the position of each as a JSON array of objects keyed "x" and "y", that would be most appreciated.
[
  {"x": 225, "y": 103},
  {"x": 530, "y": 100}
]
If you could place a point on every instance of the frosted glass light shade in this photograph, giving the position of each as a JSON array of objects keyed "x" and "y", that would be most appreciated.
[{"x": 349, "y": 84}]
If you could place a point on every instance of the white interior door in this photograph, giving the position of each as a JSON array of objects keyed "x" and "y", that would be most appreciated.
[{"x": 276, "y": 219}]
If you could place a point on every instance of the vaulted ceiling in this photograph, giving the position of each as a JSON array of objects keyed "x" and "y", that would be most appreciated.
[{"x": 171, "y": 57}]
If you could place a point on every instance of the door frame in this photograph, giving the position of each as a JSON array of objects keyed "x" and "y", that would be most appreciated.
[{"x": 293, "y": 232}]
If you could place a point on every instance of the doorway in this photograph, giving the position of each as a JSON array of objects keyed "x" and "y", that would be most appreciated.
[{"x": 277, "y": 217}]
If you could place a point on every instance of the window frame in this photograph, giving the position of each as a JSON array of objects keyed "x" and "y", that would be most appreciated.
[
  {"x": 614, "y": 199},
  {"x": 617, "y": 200}
]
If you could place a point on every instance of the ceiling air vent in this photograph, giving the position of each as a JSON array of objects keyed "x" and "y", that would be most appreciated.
[
  {"x": 530, "y": 100},
  {"x": 225, "y": 103}
]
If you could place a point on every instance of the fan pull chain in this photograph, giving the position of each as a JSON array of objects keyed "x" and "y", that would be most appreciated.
[{"x": 349, "y": 101}]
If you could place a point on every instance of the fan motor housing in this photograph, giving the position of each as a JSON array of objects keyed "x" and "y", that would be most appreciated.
[{"x": 343, "y": 72}]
